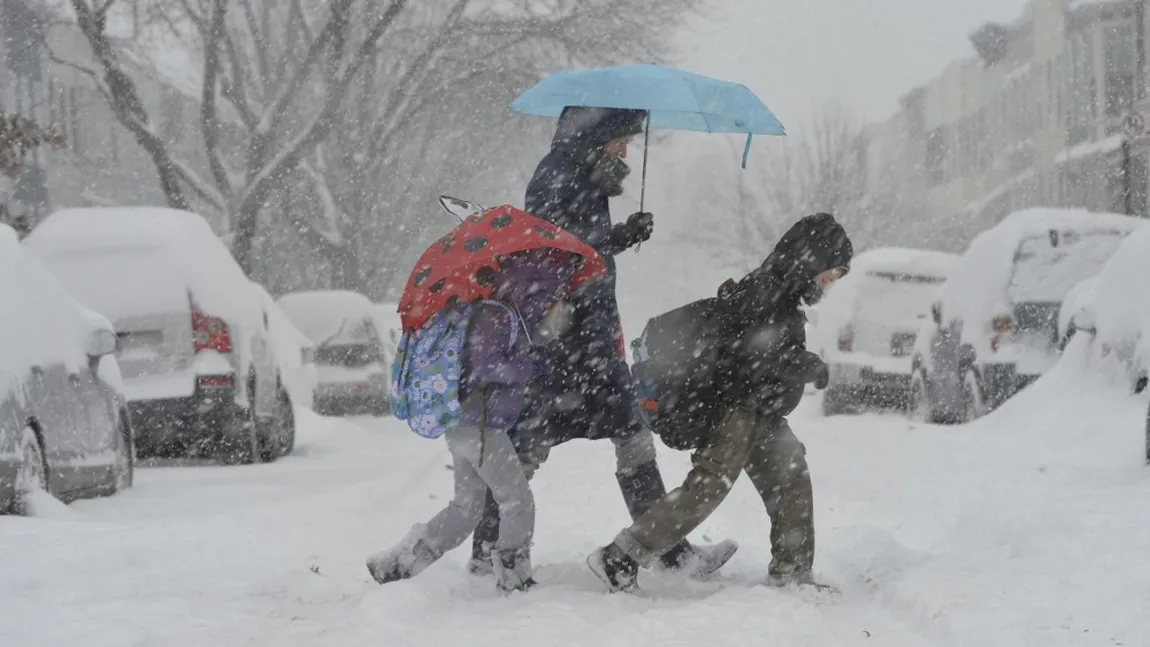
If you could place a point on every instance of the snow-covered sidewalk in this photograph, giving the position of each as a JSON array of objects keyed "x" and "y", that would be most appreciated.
[{"x": 1026, "y": 528}]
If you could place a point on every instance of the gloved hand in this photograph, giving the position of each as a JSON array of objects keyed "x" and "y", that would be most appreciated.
[
  {"x": 822, "y": 375},
  {"x": 637, "y": 229}
]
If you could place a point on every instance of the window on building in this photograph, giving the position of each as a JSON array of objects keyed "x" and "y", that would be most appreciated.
[
  {"x": 935, "y": 156},
  {"x": 1120, "y": 68},
  {"x": 1079, "y": 105}
]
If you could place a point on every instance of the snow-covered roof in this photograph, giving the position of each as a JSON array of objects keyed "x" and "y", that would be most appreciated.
[
  {"x": 85, "y": 228},
  {"x": 120, "y": 261}
]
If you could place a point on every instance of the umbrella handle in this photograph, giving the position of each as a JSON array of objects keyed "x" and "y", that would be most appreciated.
[{"x": 643, "y": 179}]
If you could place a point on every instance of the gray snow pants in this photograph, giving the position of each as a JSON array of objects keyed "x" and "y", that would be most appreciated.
[{"x": 499, "y": 470}]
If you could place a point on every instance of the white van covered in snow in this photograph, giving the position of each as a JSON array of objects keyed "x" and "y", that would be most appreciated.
[
  {"x": 994, "y": 328},
  {"x": 868, "y": 321},
  {"x": 194, "y": 346}
]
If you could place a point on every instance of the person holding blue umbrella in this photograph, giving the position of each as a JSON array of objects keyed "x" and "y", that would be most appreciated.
[{"x": 590, "y": 393}]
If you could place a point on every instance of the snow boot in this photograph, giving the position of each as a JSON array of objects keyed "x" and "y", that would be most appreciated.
[
  {"x": 698, "y": 562},
  {"x": 410, "y": 557},
  {"x": 641, "y": 488},
  {"x": 616, "y": 568},
  {"x": 513, "y": 569},
  {"x": 483, "y": 538}
]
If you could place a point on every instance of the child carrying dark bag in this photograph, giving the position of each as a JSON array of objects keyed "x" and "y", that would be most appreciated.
[{"x": 718, "y": 376}]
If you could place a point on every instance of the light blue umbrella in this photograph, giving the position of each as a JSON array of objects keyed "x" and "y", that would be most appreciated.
[{"x": 673, "y": 99}]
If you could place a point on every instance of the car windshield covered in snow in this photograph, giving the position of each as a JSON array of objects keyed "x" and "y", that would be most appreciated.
[{"x": 1047, "y": 267}]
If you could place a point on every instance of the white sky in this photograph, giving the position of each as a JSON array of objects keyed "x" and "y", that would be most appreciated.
[{"x": 863, "y": 54}]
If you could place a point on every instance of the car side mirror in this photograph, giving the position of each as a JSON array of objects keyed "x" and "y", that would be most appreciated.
[
  {"x": 936, "y": 313},
  {"x": 101, "y": 342}
]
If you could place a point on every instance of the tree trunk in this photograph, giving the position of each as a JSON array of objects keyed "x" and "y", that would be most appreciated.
[{"x": 243, "y": 242}]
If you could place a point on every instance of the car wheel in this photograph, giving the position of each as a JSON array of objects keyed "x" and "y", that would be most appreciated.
[
  {"x": 280, "y": 440},
  {"x": 124, "y": 465},
  {"x": 31, "y": 472},
  {"x": 974, "y": 403},
  {"x": 242, "y": 445}
]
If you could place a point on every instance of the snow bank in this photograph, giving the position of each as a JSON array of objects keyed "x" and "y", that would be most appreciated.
[
  {"x": 979, "y": 286},
  {"x": 42, "y": 323},
  {"x": 322, "y": 314}
]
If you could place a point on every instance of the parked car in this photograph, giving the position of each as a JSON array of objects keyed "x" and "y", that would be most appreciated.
[
  {"x": 64, "y": 424},
  {"x": 1112, "y": 315},
  {"x": 994, "y": 328},
  {"x": 194, "y": 342},
  {"x": 350, "y": 355},
  {"x": 868, "y": 323}
]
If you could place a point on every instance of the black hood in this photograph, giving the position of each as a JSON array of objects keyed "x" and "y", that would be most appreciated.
[
  {"x": 581, "y": 131},
  {"x": 812, "y": 245}
]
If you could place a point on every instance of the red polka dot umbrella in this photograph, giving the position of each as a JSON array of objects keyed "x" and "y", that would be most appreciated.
[{"x": 461, "y": 267}]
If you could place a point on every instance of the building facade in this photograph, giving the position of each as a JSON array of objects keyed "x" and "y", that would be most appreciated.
[{"x": 1033, "y": 120}]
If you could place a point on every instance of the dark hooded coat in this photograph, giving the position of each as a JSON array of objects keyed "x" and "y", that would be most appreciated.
[
  {"x": 588, "y": 392},
  {"x": 767, "y": 364}
]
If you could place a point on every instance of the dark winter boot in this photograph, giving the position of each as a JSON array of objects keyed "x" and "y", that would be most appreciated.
[
  {"x": 514, "y": 570},
  {"x": 641, "y": 488},
  {"x": 616, "y": 568},
  {"x": 484, "y": 538}
]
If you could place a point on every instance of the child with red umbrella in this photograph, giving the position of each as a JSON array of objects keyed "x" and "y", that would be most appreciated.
[{"x": 511, "y": 273}]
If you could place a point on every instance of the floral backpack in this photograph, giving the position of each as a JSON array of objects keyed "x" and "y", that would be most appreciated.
[{"x": 428, "y": 367}]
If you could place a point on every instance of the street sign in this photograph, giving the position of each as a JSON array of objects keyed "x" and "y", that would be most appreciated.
[{"x": 1133, "y": 126}]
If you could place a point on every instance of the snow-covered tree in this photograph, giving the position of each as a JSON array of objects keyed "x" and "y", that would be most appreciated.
[{"x": 316, "y": 114}]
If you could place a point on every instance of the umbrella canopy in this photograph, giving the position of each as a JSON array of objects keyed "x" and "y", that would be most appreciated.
[
  {"x": 462, "y": 266},
  {"x": 674, "y": 99}
]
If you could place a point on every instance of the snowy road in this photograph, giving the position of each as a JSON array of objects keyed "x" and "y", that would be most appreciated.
[{"x": 1029, "y": 528}]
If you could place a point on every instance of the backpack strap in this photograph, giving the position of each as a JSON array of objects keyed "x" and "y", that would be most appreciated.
[{"x": 516, "y": 320}]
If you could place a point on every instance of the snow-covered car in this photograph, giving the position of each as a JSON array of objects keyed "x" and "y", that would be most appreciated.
[
  {"x": 1114, "y": 312},
  {"x": 194, "y": 346},
  {"x": 1113, "y": 317},
  {"x": 868, "y": 323},
  {"x": 352, "y": 365},
  {"x": 64, "y": 424},
  {"x": 994, "y": 328}
]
